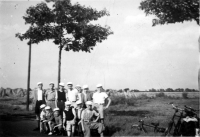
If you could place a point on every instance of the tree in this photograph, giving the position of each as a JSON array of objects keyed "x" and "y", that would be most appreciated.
[
  {"x": 172, "y": 11},
  {"x": 68, "y": 25}
]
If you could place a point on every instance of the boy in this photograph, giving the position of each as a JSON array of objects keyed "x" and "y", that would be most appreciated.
[
  {"x": 78, "y": 110},
  {"x": 42, "y": 114},
  {"x": 69, "y": 118},
  {"x": 47, "y": 119},
  {"x": 87, "y": 120},
  {"x": 58, "y": 122},
  {"x": 99, "y": 99}
]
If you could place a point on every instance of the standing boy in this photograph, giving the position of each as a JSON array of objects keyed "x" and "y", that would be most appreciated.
[
  {"x": 50, "y": 96},
  {"x": 72, "y": 94},
  {"x": 99, "y": 99},
  {"x": 87, "y": 96},
  {"x": 61, "y": 98},
  {"x": 38, "y": 99}
]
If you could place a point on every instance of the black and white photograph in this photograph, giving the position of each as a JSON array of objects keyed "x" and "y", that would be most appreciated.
[{"x": 99, "y": 68}]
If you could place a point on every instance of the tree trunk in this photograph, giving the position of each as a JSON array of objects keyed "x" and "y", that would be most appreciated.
[
  {"x": 199, "y": 68},
  {"x": 28, "y": 80},
  {"x": 59, "y": 64}
]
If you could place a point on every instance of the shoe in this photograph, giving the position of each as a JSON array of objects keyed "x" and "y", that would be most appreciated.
[
  {"x": 36, "y": 129},
  {"x": 50, "y": 133}
]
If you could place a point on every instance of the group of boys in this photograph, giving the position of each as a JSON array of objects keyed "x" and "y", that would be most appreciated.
[{"x": 69, "y": 110}]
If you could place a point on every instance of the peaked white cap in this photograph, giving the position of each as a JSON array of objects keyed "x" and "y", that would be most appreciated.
[{"x": 99, "y": 85}]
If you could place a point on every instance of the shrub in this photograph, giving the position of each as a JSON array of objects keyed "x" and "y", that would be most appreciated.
[
  {"x": 116, "y": 100},
  {"x": 161, "y": 94},
  {"x": 185, "y": 95}
]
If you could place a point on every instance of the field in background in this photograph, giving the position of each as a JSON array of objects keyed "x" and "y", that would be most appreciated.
[{"x": 122, "y": 113}]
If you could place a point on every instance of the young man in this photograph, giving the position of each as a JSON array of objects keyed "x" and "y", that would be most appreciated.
[
  {"x": 87, "y": 95},
  {"x": 99, "y": 99},
  {"x": 50, "y": 96},
  {"x": 87, "y": 120},
  {"x": 72, "y": 94},
  {"x": 69, "y": 119},
  {"x": 61, "y": 98},
  {"x": 47, "y": 119},
  {"x": 79, "y": 109},
  {"x": 58, "y": 122},
  {"x": 38, "y": 99}
]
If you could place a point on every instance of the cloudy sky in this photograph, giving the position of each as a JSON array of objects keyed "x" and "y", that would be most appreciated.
[{"x": 136, "y": 56}]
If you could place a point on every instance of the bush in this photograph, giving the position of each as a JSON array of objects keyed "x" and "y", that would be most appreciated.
[
  {"x": 116, "y": 100},
  {"x": 185, "y": 95},
  {"x": 161, "y": 94}
]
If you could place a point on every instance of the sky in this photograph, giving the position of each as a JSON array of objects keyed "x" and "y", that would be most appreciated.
[{"x": 136, "y": 56}]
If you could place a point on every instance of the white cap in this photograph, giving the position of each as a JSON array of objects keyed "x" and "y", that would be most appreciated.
[
  {"x": 42, "y": 106},
  {"x": 51, "y": 83},
  {"x": 69, "y": 83},
  {"x": 78, "y": 102},
  {"x": 67, "y": 103},
  {"x": 61, "y": 84},
  {"x": 99, "y": 85},
  {"x": 89, "y": 103},
  {"x": 85, "y": 86},
  {"x": 78, "y": 86},
  {"x": 56, "y": 109},
  {"x": 47, "y": 107},
  {"x": 39, "y": 83}
]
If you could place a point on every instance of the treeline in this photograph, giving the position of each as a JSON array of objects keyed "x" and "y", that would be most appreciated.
[{"x": 158, "y": 90}]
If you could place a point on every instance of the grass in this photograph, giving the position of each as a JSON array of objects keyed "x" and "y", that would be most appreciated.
[{"x": 123, "y": 112}]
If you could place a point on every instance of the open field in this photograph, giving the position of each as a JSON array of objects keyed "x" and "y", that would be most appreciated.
[{"x": 119, "y": 117}]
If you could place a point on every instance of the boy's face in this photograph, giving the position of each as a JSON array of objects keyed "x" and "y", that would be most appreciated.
[
  {"x": 40, "y": 86},
  {"x": 70, "y": 86},
  {"x": 51, "y": 86},
  {"x": 89, "y": 107},
  {"x": 67, "y": 106},
  {"x": 79, "y": 105},
  {"x": 61, "y": 87},
  {"x": 99, "y": 89},
  {"x": 47, "y": 110},
  {"x": 56, "y": 113}
]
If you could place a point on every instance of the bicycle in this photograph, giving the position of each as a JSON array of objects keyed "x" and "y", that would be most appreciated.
[{"x": 174, "y": 127}]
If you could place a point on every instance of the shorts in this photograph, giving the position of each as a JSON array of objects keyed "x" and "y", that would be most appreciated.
[
  {"x": 69, "y": 125},
  {"x": 100, "y": 109}
]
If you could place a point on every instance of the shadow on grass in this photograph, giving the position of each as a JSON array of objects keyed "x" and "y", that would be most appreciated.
[
  {"x": 110, "y": 130},
  {"x": 17, "y": 117},
  {"x": 129, "y": 113}
]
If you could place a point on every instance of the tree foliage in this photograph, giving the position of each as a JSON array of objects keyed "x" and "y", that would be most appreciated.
[
  {"x": 69, "y": 25},
  {"x": 171, "y": 11}
]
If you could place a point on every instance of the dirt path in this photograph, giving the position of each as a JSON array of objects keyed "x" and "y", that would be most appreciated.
[{"x": 18, "y": 126}]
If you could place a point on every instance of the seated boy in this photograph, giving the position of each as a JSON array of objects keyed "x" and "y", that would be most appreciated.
[
  {"x": 42, "y": 114},
  {"x": 69, "y": 118},
  {"x": 58, "y": 122},
  {"x": 87, "y": 120},
  {"x": 48, "y": 119}
]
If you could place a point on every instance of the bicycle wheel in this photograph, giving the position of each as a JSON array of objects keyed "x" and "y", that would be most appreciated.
[{"x": 169, "y": 128}]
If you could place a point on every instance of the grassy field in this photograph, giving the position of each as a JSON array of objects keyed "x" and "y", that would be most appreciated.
[{"x": 122, "y": 113}]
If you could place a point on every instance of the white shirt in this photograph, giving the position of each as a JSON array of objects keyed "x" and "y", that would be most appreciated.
[
  {"x": 40, "y": 94},
  {"x": 72, "y": 94},
  {"x": 99, "y": 98}
]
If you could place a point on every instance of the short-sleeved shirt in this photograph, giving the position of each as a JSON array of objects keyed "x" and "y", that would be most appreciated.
[
  {"x": 99, "y": 98},
  {"x": 58, "y": 119},
  {"x": 50, "y": 95},
  {"x": 72, "y": 95},
  {"x": 42, "y": 115},
  {"x": 88, "y": 115}
]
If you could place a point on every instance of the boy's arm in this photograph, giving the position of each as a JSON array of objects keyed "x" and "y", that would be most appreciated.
[
  {"x": 64, "y": 118},
  {"x": 82, "y": 121},
  {"x": 73, "y": 111},
  {"x": 97, "y": 115},
  {"x": 108, "y": 104},
  {"x": 56, "y": 98}
]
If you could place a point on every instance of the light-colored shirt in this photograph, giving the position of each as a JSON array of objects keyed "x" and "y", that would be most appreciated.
[
  {"x": 50, "y": 95},
  {"x": 99, "y": 98},
  {"x": 42, "y": 115},
  {"x": 72, "y": 95},
  {"x": 40, "y": 94},
  {"x": 81, "y": 97},
  {"x": 88, "y": 115}
]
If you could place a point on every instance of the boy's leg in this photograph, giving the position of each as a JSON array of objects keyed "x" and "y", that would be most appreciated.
[
  {"x": 87, "y": 129},
  {"x": 68, "y": 128},
  {"x": 101, "y": 113},
  {"x": 98, "y": 126}
]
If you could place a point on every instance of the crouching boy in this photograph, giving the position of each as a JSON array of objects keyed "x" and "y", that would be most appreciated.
[
  {"x": 57, "y": 122},
  {"x": 87, "y": 121},
  {"x": 47, "y": 120},
  {"x": 42, "y": 116},
  {"x": 69, "y": 119}
]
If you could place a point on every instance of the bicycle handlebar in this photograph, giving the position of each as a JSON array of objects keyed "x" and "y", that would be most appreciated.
[
  {"x": 185, "y": 110},
  {"x": 195, "y": 110}
]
